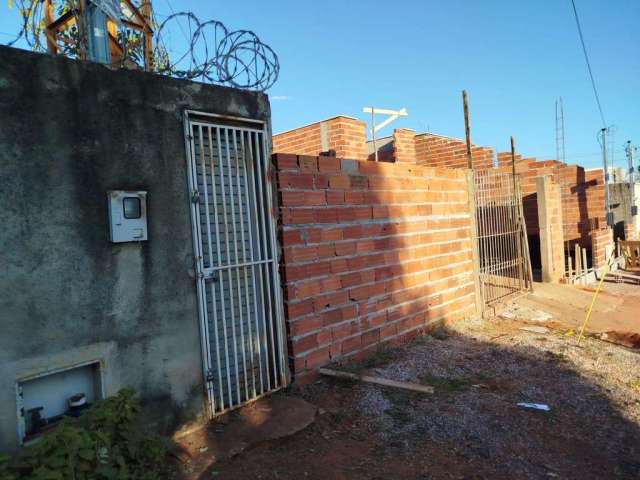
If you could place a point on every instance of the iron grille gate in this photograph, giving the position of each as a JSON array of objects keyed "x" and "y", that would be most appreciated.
[
  {"x": 501, "y": 236},
  {"x": 238, "y": 284}
]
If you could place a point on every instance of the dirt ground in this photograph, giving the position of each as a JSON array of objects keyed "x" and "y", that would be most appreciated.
[
  {"x": 471, "y": 428},
  {"x": 616, "y": 309}
]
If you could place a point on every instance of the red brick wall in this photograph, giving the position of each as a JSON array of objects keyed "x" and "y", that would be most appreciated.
[
  {"x": 582, "y": 196},
  {"x": 594, "y": 180},
  {"x": 583, "y": 192},
  {"x": 629, "y": 231},
  {"x": 404, "y": 146},
  {"x": 504, "y": 158},
  {"x": 600, "y": 240},
  {"x": 344, "y": 135},
  {"x": 373, "y": 252},
  {"x": 438, "y": 151},
  {"x": 347, "y": 138}
]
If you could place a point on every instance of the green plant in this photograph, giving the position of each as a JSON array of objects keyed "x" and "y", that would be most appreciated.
[
  {"x": 444, "y": 385},
  {"x": 440, "y": 333},
  {"x": 104, "y": 443},
  {"x": 5, "y": 468}
]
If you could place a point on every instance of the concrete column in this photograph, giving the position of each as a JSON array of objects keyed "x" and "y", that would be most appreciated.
[
  {"x": 602, "y": 246},
  {"x": 635, "y": 219},
  {"x": 551, "y": 233}
]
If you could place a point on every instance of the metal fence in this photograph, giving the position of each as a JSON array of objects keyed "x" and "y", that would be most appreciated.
[
  {"x": 241, "y": 316},
  {"x": 500, "y": 236}
]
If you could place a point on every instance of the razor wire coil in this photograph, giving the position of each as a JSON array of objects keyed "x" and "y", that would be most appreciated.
[{"x": 212, "y": 52}]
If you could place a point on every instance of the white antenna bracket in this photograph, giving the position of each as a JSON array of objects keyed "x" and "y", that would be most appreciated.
[{"x": 392, "y": 116}]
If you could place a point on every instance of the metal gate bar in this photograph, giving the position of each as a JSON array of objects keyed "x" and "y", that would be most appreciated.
[
  {"x": 500, "y": 236},
  {"x": 244, "y": 354}
]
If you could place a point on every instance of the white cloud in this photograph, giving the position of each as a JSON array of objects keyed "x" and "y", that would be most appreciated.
[{"x": 280, "y": 98}]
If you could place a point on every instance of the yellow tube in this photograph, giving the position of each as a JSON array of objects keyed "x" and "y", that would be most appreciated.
[{"x": 593, "y": 301}]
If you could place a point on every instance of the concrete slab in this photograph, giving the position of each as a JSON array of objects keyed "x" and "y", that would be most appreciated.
[{"x": 617, "y": 308}]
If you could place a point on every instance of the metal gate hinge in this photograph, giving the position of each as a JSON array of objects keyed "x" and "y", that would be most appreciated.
[
  {"x": 210, "y": 376},
  {"x": 195, "y": 196}
]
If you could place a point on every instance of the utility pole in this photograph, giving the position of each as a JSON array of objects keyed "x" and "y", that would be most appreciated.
[
  {"x": 95, "y": 20},
  {"x": 609, "y": 214},
  {"x": 560, "y": 152},
  {"x": 632, "y": 169},
  {"x": 632, "y": 185},
  {"x": 467, "y": 130}
]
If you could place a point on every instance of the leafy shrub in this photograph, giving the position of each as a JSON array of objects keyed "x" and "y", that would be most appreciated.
[
  {"x": 104, "y": 443},
  {"x": 5, "y": 469}
]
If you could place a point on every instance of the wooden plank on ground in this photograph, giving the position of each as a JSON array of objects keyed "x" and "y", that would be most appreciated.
[{"x": 414, "y": 387}]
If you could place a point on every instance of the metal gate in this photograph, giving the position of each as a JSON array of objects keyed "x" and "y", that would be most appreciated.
[
  {"x": 501, "y": 242},
  {"x": 240, "y": 306}
]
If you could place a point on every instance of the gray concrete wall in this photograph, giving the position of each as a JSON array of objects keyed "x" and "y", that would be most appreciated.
[
  {"x": 70, "y": 131},
  {"x": 620, "y": 194}
]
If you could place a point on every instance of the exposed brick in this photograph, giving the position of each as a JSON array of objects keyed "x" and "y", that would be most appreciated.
[
  {"x": 308, "y": 163},
  {"x": 285, "y": 161},
  {"x": 318, "y": 358},
  {"x": 353, "y": 281},
  {"x": 328, "y": 164},
  {"x": 305, "y": 325}
]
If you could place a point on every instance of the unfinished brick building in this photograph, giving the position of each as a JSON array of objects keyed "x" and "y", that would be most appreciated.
[
  {"x": 583, "y": 207},
  {"x": 377, "y": 252}
]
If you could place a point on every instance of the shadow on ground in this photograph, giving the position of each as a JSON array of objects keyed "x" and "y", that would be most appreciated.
[{"x": 471, "y": 427}]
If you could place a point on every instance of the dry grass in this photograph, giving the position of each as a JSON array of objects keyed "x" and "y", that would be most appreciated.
[{"x": 481, "y": 370}]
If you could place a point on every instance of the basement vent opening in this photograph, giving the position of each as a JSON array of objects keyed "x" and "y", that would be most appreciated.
[{"x": 45, "y": 399}]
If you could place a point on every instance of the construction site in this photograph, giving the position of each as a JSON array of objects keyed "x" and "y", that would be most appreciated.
[{"x": 188, "y": 294}]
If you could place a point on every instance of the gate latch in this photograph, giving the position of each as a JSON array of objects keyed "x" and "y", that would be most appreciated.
[
  {"x": 195, "y": 196},
  {"x": 210, "y": 376},
  {"x": 210, "y": 278}
]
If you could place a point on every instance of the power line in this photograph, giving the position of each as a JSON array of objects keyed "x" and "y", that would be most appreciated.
[{"x": 586, "y": 57}]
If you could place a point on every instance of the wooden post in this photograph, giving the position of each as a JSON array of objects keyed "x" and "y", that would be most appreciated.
[
  {"x": 146, "y": 10},
  {"x": 578, "y": 259},
  {"x": 52, "y": 46},
  {"x": 467, "y": 130},
  {"x": 373, "y": 132},
  {"x": 518, "y": 226},
  {"x": 513, "y": 156},
  {"x": 82, "y": 30}
]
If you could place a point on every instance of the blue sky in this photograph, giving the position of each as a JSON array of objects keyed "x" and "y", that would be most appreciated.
[{"x": 514, "y": 59}]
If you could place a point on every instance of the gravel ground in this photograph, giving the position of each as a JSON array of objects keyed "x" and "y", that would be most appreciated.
[
  {"x": 471, "y": 426},
  {"x": 481, "y": 370}
]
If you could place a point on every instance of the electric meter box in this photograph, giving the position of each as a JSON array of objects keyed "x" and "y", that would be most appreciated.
[{"x": 127, "y": 216}]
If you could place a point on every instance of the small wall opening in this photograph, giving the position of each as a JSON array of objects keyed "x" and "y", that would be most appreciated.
[
  {"x": 534, "y": 255},
  {"x": 44, "y": 400}
]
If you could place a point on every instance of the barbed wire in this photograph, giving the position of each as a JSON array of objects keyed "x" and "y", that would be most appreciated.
[
  {"x": 212, "y": 53},
  {"x": 237, "y": 58}
]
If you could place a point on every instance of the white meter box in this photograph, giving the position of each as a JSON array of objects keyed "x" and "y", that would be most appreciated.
[{"x": 127, "y": 216}]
